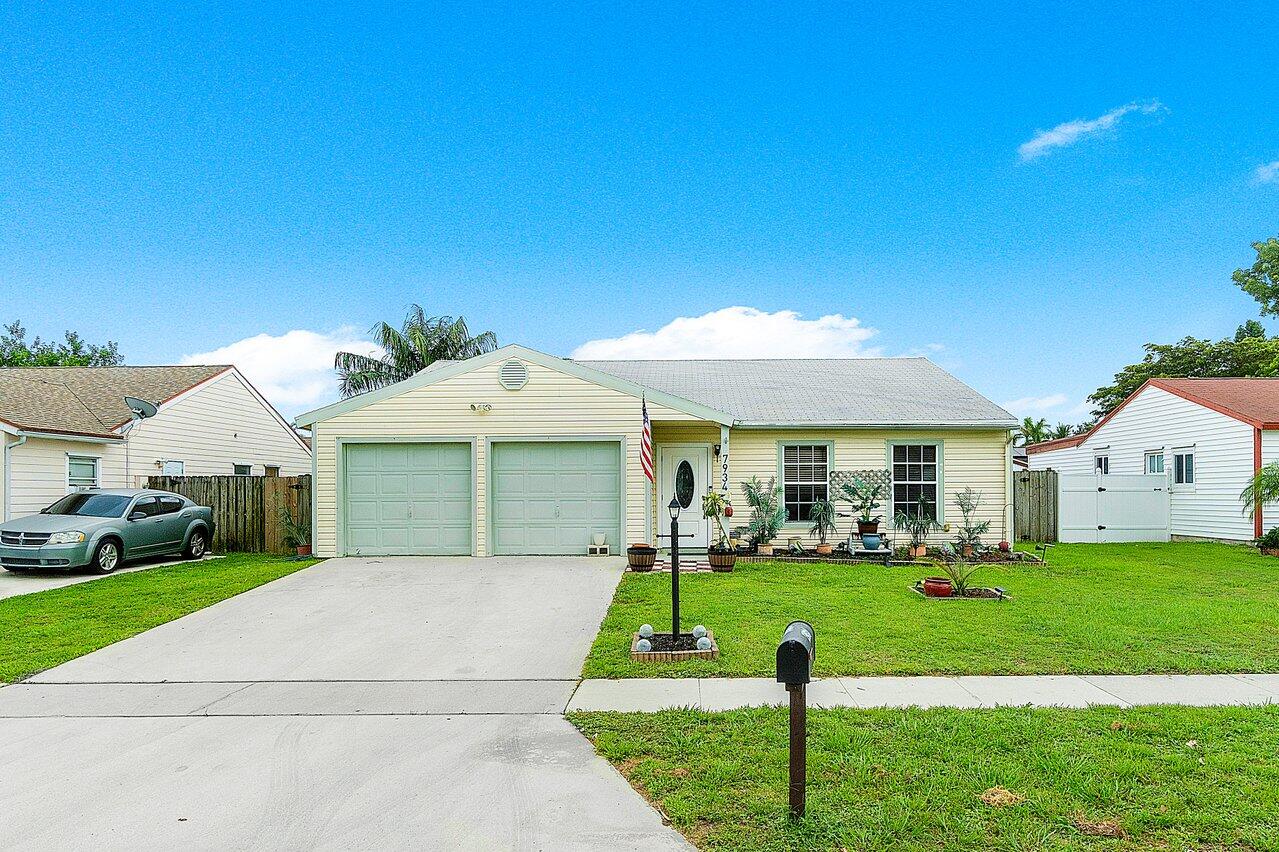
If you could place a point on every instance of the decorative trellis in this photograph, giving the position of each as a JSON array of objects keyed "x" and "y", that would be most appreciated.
[{"x": 839, "y": 478}]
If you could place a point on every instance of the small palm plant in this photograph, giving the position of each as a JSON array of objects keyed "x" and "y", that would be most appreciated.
[
  {"x": 297, "y": 533},
  {"x": 767, "y": 512},
  {"x": 918, "y": 521},
  {"x": 823, "y": 517},
  {"x": 1263, "y": 488},
  {"x": 970, "y": 531}
]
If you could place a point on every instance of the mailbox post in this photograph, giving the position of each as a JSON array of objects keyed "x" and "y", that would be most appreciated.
[{"x": 795, "y": 654}]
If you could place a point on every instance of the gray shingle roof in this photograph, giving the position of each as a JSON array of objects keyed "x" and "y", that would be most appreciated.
[
  {"x": 88, "y": 400},
  {"x": 840, "y": 391}
]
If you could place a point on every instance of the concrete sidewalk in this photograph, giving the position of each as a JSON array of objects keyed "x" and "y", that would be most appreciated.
[{"x": 713, "y": 694}]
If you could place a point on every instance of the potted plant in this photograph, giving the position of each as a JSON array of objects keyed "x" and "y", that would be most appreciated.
[
  {"x": 767, "y": 513},
  {"x": 864, "y": 497},
  {"x": 937, "y": 587},
  {"x": 823, "y": 517},
  {"x": 1268, "y": 544},
  {"x": 641, "y": 556},
  {"x": 720, "y": 554},
  {"x": 968, "y": 538},
  {"x": 297, "y": 534},
  {"x": 918, "y": 523}
]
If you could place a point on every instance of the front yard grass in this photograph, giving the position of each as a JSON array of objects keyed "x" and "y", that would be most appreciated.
[
  {"x": 44, "y": 629},
  {"x": 1152, "y": 778},
  {"x": 1093, "y": 609}
]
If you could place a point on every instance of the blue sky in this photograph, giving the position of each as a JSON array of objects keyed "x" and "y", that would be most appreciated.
[{"x": 1025, "y": 195}]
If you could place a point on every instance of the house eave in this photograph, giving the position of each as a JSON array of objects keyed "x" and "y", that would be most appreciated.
[{"x": 904, "y": 425}]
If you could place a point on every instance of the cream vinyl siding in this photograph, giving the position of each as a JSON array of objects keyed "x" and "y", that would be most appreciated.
[
  {"x": 552, "y": 403},
  {"x": 1158, "y": 420},
  {"x": 978, "y": 458},
  {"x": 38, "y": 470}
]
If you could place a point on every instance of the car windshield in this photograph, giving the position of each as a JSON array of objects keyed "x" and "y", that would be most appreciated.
[{"x": 87, "y": 504}]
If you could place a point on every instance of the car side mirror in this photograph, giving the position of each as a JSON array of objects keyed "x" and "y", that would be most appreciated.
[{"x": 137, "y": 516}]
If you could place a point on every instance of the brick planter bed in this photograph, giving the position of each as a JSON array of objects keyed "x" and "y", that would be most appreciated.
[
  {"x": 659, "y": 656},
  {"x": 975, "y": 594}
]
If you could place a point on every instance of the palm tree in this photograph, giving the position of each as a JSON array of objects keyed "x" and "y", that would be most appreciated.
[
  {"x": 1061, "y": 430},
  {"x": 416, "y": 345},
  {"x": 1032, "y": 431},
  {"x": 1262, "y": 488}
]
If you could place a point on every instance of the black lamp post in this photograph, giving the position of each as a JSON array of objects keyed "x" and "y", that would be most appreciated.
[{"x": 674, "y": 508}]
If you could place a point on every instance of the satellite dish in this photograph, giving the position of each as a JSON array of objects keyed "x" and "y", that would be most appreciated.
[{"x": 140, "y": 407}]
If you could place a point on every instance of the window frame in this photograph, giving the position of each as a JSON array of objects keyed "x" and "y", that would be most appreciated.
[
  {"x": 1153, "y": 454},
  {"x": 1101, "y": 463},
  {"x": 939, "y": 505},
  {"x": 164, "y": 467},
  {"x": 781, "y": 472},
  {"x": 236, "y": 472},
  {"x": 97, "y": 471},
  {"x": 1181, "y": 453},
  {"x": 271, "y": 467}
]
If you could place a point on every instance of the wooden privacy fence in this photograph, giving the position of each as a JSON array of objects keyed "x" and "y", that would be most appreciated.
[
  {"x": 246, "y": 509},
  {"x": 1035, "y": 505}
]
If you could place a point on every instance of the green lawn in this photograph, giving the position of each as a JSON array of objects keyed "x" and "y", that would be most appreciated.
[
  {"x": 1167, "y": 778},
  {"x": 1124, "y": 608},
  {"x": 42, "y": 630}
]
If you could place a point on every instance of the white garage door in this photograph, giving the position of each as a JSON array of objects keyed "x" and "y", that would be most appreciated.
[
  {"x": 1097, "y": 508},
  {"x": 550, "y": 497},
  {"x": 407, "y": 499}
]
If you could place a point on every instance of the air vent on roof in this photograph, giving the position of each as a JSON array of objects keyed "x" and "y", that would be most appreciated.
[{"x": 513, "y": 375}]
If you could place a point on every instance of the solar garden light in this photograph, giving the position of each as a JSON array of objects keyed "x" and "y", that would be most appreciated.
[{"x": 795, "y": 655}]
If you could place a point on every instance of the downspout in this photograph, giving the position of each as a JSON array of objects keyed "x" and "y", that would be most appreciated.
[
  {"x": 8, "y": 475},
  {"x": 1256, "y": 468}
]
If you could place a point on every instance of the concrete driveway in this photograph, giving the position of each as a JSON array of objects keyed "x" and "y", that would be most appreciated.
[
  {"x": 360, "y": 703},
  {"x": 13, "y": 584}
]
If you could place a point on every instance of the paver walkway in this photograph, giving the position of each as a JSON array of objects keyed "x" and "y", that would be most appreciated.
[{"x": 651, "y": 694}]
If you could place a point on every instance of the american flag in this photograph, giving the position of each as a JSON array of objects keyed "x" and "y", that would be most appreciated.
[{"x": 646, "y": 444}]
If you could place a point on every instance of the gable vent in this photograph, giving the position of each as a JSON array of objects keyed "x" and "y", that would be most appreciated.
[{"x": 513, "y": 375}]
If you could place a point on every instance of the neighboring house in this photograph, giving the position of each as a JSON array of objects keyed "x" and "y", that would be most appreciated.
[
  {"x": 66, "y": 428},
  {"x": 1020, "y": 460},
  {"x": 1206, "y": 436},
  {"x": 518, "y": 452}
]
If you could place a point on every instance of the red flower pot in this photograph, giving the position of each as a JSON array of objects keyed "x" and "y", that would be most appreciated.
[{"x": 937, "y": 587}]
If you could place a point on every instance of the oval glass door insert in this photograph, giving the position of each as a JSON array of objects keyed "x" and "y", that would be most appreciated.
[{"x": 684, "y": 484}]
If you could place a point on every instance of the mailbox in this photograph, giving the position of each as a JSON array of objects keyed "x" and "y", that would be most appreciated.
[{"x": 795, "y": 654}]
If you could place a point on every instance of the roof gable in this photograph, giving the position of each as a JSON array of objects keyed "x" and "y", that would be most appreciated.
[
  {"x": 89, "y": 400},
  {"x": 441, "y": 371},
  {"x": 1254, "y": 401}
]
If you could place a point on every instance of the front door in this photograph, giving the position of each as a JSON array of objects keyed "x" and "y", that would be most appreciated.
[{"x": 685, "y": 474}]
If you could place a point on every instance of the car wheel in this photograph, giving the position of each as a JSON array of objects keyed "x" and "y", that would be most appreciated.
[
  {"x": 106, "y": 558},
  {"x": 198, "y": 546}
]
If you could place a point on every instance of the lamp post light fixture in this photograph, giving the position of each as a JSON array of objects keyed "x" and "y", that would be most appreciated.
[{"x": 673, "y": 507}]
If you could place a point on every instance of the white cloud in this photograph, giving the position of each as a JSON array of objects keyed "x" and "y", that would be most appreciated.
[
  {"x": 1267, "y": 173},
  {"x": 1053, "y": 406},
  {"x": 740, "y": 332},
  {"x": 1030, "y": 406},
  {"x": 294, "y": 370},
  {"x": 1044, "y": 141}
]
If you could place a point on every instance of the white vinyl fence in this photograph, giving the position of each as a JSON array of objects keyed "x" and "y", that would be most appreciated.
[{"x": 1098, "y": 508}]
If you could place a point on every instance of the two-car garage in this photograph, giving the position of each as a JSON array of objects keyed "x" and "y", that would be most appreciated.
[{"x": 420, "y": 497}]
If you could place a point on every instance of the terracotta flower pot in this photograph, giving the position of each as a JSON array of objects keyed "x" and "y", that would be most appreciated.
[
  {"x": 937, "y": 587},
  {"x": 721, "y": 561},
  {"x": 304, "y": 549},
  {"x": 867, "y": 527},
  {"x": 1270, "y": 551},
  {"x": 641, "y": 557},
  {"x": 1004, "y": 547},
  {"x": 967, "y": 551},
  {"x": 918, "y": 551},
  {"x": 824, "y": 549},
  {"x": 764, "y": 549}
]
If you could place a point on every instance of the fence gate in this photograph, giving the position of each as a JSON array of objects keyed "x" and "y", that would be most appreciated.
[
  {"x": 246, "y": 509},
  {"x": 1035, "y": 505},
  {"x": 1099, "y": 508}
]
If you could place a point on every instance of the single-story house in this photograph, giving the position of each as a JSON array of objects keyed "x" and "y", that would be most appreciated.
[
  {"x": 519, "y": 452},
  {"x": 1205, "y": 436},
  {"x": 68, "y": 428}
]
